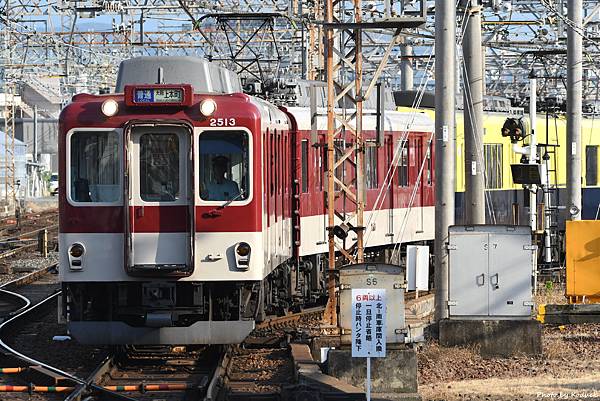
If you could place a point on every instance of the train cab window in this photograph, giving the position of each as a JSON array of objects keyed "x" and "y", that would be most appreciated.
[
  {"x": 224, "y": 171},
  {"x": 159, "y": 167},
  {"x": 403, "y": 163},
  {"x": 304, "y": 166},
  {"x": 371, "y": 165},
  {"x": 94, "y": 167}
]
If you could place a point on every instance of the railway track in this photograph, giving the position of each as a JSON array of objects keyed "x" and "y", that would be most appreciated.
[
  {"x": 18, "y": 298},
  {"x": 18, "y": 294},
  {"x": 9, "y": 225},
  {"x": 12, "y": 245},
  {"x": 150, "y": 373},
  {"x": 293, "y": 319}
]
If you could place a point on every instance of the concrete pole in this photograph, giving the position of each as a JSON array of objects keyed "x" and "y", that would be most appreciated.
[
  {"x": 533, "y": 151},
  {"x": 35, "y": 134},
  {"x": 473, "y": 107},
  {"x": 407, "y": 74},
  {"x": 574, "y": 103},
  {"x": 445, "y": 72}
]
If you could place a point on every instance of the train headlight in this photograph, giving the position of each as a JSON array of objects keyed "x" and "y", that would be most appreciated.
[
  {"x": 208, "y": 107},
  {"x": 242, "y": 255},
  {"x": 110, "y": 107},
  {"x": 76, "y": 250}
]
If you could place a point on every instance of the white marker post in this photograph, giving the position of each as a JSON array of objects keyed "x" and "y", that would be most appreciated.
[{"x": 368, "y": 327}]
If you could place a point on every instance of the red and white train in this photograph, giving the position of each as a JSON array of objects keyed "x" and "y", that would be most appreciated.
[{"x": 189, "y": 210}]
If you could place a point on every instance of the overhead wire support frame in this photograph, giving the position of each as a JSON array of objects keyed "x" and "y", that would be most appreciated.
[{"x": 344, "y": 74}]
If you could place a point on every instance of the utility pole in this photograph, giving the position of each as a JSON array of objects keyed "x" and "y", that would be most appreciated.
[
  {"x": 35, "y": 133},
  {"x": 574, "y": 105},
  {"x": 407, "y": 73},
  {"x": 473, "y": 110},
  {"x": 445, "y": 73}
]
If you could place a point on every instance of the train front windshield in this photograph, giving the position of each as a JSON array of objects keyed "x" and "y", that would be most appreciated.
[{"x": 224, "y": 172}]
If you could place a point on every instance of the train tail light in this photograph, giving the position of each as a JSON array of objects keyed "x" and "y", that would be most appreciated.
[
  {"x": 110, "y": 107},
  {"x": 242, "y": 255},
  {"x": 76, "y": 252}
]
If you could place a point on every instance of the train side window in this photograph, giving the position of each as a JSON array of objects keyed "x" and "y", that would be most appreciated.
[
  {"x": 371, "y": 165},
  {"x": 276, "y": 159},
  {"x": 319, "y": 164},
  {"x": 304, "y": 157},
  {"x": 94, "y": 167},
  {"x": 492, "y": 153},
  {"x": 402, "y": 163},
  {"x": 272, "y": 169},
  {"x": 224, "y": 172},
  {"x": 429, "y": 165},
  {"x": 340, "y": 172},
  {"x": 591, "y": 165},
  {"x": 159, "y": 167}
]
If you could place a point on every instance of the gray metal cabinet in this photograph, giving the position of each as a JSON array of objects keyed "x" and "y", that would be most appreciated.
[{"x": 490, "y": 271}]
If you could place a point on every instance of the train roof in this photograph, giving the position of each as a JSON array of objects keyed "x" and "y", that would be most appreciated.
[
  {"x": 204, "y": 76},
  {"x": 409, "y": 99},
  {"x": 414, "y": 121}
]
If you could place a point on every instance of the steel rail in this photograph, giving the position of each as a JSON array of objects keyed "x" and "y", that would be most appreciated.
[
  {"x": 28, "y": 233},
  {"x": 14, "y": 251},
  {"x": 293, "y": 317},
  {"x": 30, "y": 277},
  {"x": 218, "y": 380},
  {"x": 33, "y": 361},
  {"x": 102, "y": 369},
  {"x": 21, "y": 297}
]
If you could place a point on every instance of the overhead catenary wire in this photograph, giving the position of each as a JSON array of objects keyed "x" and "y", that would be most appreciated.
[{"x": 398, "y": 239}]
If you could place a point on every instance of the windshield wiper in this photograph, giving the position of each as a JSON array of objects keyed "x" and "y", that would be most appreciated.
[
  {"x": 227, "y": 203},
  {"x": 215, "y": 212}
]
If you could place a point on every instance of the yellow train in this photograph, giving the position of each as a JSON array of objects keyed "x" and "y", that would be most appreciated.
[{"x": 502, "y": 192}]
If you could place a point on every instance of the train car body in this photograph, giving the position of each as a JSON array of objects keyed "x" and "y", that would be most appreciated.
[
  {"x": 502, "y": 192},
  {"x": 189, "y": 210}
]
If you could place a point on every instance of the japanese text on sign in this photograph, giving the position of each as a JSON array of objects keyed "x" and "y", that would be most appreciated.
[{"x": 368, "y": 323}]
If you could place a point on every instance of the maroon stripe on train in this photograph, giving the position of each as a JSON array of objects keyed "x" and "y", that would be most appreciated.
[
  {"x": 90, "y": 219},
  {"x": 230, "y": 219},
  {"x": 155, "y": 219}
]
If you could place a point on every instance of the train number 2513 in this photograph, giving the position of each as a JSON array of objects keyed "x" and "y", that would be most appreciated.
[{"x": 222, "y": 122}]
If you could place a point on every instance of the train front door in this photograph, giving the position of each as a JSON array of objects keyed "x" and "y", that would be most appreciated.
[{"x": 160, "y": 202}]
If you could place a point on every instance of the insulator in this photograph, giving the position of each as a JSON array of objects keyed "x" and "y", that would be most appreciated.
[{"x": 112, "y": 6}]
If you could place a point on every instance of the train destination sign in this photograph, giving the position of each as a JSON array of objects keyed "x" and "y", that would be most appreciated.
[
  {"x": 159, "y": 95},
  {"x": 368, "y": 323}
]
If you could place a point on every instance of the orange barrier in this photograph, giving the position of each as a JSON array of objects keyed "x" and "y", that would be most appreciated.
[
  {"x": 583, "y": 261},
  {"x": 152, "y": 387},
  {"x": 35, "y": 389},
  {"x": 12, "y": 370},
  {"x": 54, "y": 389}
]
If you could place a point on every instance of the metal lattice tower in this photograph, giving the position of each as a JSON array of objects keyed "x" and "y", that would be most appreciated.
[
  {"x": 68, "y": 40},
  {"x": 348, "y": 86},
  {"x": 9, "y": 112},
  {"x": 10, "y": 192}
]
